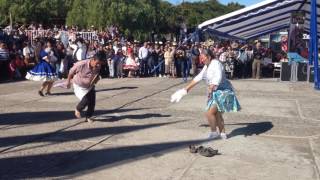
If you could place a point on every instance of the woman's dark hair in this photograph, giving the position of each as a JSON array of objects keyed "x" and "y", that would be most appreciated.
[{"x": 208, "y": 52}]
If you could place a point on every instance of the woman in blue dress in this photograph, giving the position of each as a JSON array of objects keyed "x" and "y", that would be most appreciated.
[
  {"x": 44, "y": 70},
  {"x": 221, "y": 97}
]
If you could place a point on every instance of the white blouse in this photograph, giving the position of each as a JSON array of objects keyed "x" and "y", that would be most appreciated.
[{"x": 213, "y": 74}]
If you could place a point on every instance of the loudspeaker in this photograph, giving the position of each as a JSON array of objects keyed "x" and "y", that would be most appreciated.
[
  {"x": 311, "y": 73},
  {"x": 302, "y": 72},
  {"x": 285, "y": 74}
]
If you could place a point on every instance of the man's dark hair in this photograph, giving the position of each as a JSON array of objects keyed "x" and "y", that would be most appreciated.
[
  {"x": 208, "y": 52},
  {"x": 100, "y": 56}
]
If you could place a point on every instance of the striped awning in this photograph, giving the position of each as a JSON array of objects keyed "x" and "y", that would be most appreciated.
[{"x": 261, "y": 19}]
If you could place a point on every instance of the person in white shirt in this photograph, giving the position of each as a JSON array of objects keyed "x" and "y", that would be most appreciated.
[
  {"x": 143, "y": 57},
  {"x": 79, "y": 51},
  {"x": 221, "y": 97},
  {"x": 29, "y": 55}
]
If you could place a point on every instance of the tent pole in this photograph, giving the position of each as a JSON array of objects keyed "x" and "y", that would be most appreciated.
[
  {"x": 315, "y": 43},
  {"x": 310, "y": 55}
]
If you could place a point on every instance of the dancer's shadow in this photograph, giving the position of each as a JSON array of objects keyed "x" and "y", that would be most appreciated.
[
  {"x": 114, "y": 118},
  {"x": 249, "y": 129},
  {"x": 22, "y": 118},
  {"x": 97, "y": 90}
]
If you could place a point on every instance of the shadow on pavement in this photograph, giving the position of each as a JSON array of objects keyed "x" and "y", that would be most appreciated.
[
  {"x": 97, "y": 90},
  {"x": 72, "y": 163},
  {"x": 19, "y": 118},
  {"x": 249, "y": 129},
  {"x": 136, "y": 116},
  {"x": 79, "y": 134}
]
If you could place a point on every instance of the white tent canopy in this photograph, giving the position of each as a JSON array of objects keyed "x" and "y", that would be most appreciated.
[{"x": 262, "y": 18}]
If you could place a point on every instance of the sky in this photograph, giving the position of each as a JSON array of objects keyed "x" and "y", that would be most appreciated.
[{"x": 243, "y": 2}]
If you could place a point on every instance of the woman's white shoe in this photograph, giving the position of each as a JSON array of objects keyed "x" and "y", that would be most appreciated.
[
  {"x": 213, "y": 135},
  {"x": 223, "y": 136}
]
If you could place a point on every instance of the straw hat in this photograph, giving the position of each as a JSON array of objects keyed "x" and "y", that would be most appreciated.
[{"x": 208, "y": 43}]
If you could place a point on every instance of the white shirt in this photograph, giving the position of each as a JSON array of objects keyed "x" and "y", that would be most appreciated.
[
  {"x": 115, "y": 48},
  {"x": 124, "y": 50},
  {"x": 81, "y": 53},
  {"x": 4, "y": 55},
  {"x": 28, "y": 51},
  {"x": 213, "y": 74},
  {"x": 143, "y": 53}
]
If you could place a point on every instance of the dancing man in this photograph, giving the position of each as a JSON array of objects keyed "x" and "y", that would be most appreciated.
[
  {"x": 85, "y": 74},
  {"x": 221, "y": 97}
]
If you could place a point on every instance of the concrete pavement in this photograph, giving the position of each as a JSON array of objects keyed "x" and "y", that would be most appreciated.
[{"x": 140, "y": 135}]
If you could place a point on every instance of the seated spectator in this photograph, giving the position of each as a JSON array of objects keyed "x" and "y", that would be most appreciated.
[{"x": 16, "y": 66}]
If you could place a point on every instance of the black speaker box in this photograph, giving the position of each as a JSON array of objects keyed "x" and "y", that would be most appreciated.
[
  {"x": 285, "y": 74},
  {"x": 311, "y": 73},
  {"x": 302, "y": 72}
]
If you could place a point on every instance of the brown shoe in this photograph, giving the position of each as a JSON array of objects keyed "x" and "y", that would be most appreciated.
[
  {"x": 77, "y": 114},
  {"x": 40, "y": 93}
]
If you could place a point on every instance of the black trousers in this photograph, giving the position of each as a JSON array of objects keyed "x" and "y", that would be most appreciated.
[
  {"x": 144, "y": 69},
  {"x": 88, "y": 100}
]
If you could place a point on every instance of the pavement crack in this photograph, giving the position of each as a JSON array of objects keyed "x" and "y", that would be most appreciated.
[
  {"x": 314, "y": 159},
  {"x": 185, "y": 171}
]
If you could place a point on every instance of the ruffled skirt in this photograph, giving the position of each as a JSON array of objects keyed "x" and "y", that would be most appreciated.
[
  {"x": 42, "y": 72},
  {"x": 224, "y": 98}
]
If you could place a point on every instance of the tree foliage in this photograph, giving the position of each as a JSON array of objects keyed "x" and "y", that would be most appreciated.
[{"x": 136, "y": 17}]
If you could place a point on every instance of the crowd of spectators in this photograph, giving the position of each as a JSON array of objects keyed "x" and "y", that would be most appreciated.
[{"x": 125, "y": 57}]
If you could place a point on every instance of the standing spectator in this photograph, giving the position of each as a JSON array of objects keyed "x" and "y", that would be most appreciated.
[
  {"x": 37, "y": 50},
  {"x": 118, "y": 59},
  {"x": 81, "y": 50},
  {"x": 61, "y": 55},
  {"x": 189, "y": 59},
  {"x": 130, "y": 65},
  {"x": 156, "y": 55},
  {"x": 143, "y": 57},
  {"x": 195, "y": 58},
  {"x": 161, "y": 60},
  {"x": 229, "y": 64},
  {"x": 4, "y": 61},
  {"x": 29, "y": 56},
  {"x": 152, "y": 58},
  {"x": 248, "y": 65},
  {"x": 243, "y": 59},
  {"x": 181, "y": 63},
  {"x": 110, "y": 59},
  {"x": 168, "y": 60},
  {"x": 257, "y": 57}
]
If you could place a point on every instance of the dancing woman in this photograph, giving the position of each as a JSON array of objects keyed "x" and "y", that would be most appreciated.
[
  {"x": 44, "y": 70},
  {"x": 221, "y": 97}
]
